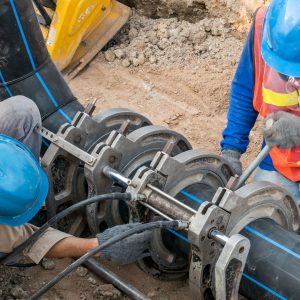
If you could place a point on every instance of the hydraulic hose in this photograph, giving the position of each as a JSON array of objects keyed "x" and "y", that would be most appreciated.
[
  {"x": 113, "y": 240},
  {"x": 53, "y": 221}
]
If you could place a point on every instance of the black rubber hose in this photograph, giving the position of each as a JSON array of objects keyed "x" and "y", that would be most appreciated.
[
  {"x": 112, "y": 196},
  {"x": 43, "y": 12},
  {"x": 115, "y": 239}
]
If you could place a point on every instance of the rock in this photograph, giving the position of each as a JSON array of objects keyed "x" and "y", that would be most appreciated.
[
  {"x": 152, "y": 59},
  {"x": 106, "y": 292},
  {"x": 48, "y": 264},
  {"x": 81, "y": 271},
  {"x": 163, "y": 44},
  {"x": 92, "y": 280},
  {"x": 175, "y": 32},
  {"x": 199, "y": 37},
  {"x": 126, "y": 63},
  {"x": 18, "y": 292},
  {"x": 151, "y": 295},
  {"x": 185, "y": 33},
  {"x": 164, "y": 33},
  {"x": 141, "y": 59},
  {"x": 133, "y": 55},
  {"x": 153, "y": 40},
  {"x": 120, "y": 53},
  {"x": 135, "y": 62},
  {"x": 133, "y": 33},
  {"x": 139, "y": 45},
  {"x": 148, "y": 53},
  {"x": 109, "y": 55}
]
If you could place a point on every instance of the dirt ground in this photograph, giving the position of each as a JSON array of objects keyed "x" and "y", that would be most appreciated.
[{"x": 179, "y": 76}]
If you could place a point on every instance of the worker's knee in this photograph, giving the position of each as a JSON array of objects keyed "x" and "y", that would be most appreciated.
[
  {"x": 18, "y": 117},
  {"x": 24, "y": 108}
]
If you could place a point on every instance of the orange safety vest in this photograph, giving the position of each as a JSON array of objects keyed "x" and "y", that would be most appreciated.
[{"x": 271, "y": 95}]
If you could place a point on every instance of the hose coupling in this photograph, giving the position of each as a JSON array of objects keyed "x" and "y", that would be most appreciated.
[
  {"x": 138, "y": 197},
  {"x": 182, "y": 225}
]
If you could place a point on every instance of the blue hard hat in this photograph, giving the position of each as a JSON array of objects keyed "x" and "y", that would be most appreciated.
[
  {"x": 280, "y": 46},
  {"x": 23, "y": 183}
]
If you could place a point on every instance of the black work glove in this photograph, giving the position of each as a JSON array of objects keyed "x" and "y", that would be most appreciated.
[
  {"x": 128, "y": 250},
  {"x": 233, "y": 157},
  {"x": 282, "y": 129}
]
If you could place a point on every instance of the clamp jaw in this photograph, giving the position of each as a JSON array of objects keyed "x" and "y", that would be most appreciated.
[{"x": 215, "y": 257}]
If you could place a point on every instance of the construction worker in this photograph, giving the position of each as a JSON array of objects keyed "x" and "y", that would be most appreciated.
[
  {"x": 267, "y": 83},
  {"x": 23, "y": 190}
]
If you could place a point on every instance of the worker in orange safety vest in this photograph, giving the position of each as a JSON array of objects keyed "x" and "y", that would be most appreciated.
[{"x": 267, "y": 83}]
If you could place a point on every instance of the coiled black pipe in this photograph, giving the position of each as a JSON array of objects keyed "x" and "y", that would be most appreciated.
[{"x": 27, "y": 69}]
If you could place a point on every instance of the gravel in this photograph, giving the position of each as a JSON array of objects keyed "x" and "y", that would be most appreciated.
[{"x": 168, "y": 42}]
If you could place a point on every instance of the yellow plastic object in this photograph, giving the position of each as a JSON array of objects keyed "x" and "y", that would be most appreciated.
[{"x": 80, "y": 29}]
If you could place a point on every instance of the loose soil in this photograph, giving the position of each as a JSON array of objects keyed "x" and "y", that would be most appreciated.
[{"x": 176, "y": 73}]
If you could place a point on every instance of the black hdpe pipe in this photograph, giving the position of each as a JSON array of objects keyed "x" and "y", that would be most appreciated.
[
  {"x": 272, "y": 269},
  {"x": 27, "y": 69},
  {"x": 273, "y": 266},
  {"x": 91, "y": 253}
]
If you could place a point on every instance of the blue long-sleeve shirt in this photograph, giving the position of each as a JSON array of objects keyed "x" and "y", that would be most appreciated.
[{"x": 241, "y": 115}]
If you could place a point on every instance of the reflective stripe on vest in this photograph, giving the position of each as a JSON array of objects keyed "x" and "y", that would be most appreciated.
[{"x": 271, "y": 95}]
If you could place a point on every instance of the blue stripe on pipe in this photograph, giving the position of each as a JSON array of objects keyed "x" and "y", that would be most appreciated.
[
  {"x": 178, "y": 235},
  {"x": 276, "y": 244},
  {"x": 5, "y": 85},
  {"x": 291, "y": 252},
  {"x": 191, "y": 197},
  {"x": 33, "y": 63},
  {"x": 45, "y": 142},
  {"x": 264, "y": 287},
  {"x": 52, "y": 98}
]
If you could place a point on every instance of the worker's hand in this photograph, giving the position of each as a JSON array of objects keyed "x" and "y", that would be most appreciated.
[
  {"x": 233, "y": 157},
  {"x": 128, "y": 250},
  {"x": 282, "y": 129}
]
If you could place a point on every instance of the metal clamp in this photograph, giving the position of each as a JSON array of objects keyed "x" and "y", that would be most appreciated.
[
  {"x": 229, "y": 267},
  {"x": 70, "y": 148},
  {"x": 204, "y": 248}
]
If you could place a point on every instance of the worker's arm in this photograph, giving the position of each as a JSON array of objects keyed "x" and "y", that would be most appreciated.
[
  {"x": 126, "y": 251},
  {"x": 241, "y": 114}
]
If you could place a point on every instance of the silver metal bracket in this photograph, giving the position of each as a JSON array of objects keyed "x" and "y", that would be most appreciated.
[
  {"x": 68, "y": 147},
  {"x": 205, "y": 250},
  {"x": 229, "y": 267},
  {"x": 215, "y": 269}
]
